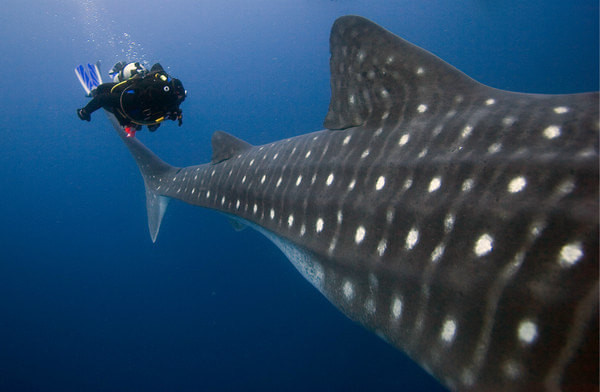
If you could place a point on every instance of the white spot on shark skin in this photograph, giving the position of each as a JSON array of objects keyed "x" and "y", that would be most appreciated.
[
  {"x": 302, "y": 230},
  {"x": 307, "y": 154},
  {"x": 329, "y": 179},
  {"x": 365, "y": 154},
  {"x": 348, "y": 289},
  {"x": 381, "y": 247},
  {"x": 384, "y": 93},
  {"x": 448, "y": 331},
  {"x": 373, "y": 282},
  {"x": 422, "y": 108},
  {"x": 193, "y": 190},
  {"x": 263, "y": 178},
  {"x": 299, "y": 180},
  {"x": 484, "y": 245},
  {"x": 570, "y": 254},
  {"x": 379, "y": 131},
  {"x": 512, "y": 369},
  {"x": 319, "y": 225},
  {"x": 352, "y": 100},
  {"x": 467, "y": 377},
  {"x": 244, "y": 180},
  {"x": 412, "y": 238},
  {"x": 389, "y": 60},
  {"x": 278, "y": 182},
  {"x": 272, "y": 214},
  {"x": 517, "y": 184},
  {"x": 565, "y": 187},
  {"x": 536, "y": 228},
  {"x": 434, "y": 184},
  {"x": 448, "y": 223},
  {"x": 237, "y": 204},
  {"x": 494, "y": 148},
  {"x": 527, "y": 331},
  {"x": 275, "y": 156},
  {"x": 404, "y": 139},
  {"x": 359, "y": 236},
  {"x": 552, "y": 132},
  {"x": 290, "y": 220},
  {"x": 223, "y": 200},
  {"x": 313, "y": 179},
  {"x": 370, "y": 306},
  {"x": 389, "y": 215},
  {"x": 251, "y": 163},
  {"x": 361, "y": 56},
  {"x": 352, "y": 184},
  {"x": 332, "y": 245},
  {"x": 508, "y": 121},
  {"x": 207, "y": 194},
  {"x": 437, "y": 253},
  {"x": 255, "y": 209},
  {"x": 466, "y": 132},
  {"x": 397, "y": 308},
  {"x": 339, "y": 217},
  {"x": 467, "y": 185},
  {"x": 423, "y": 153},
  {"x": 561, "y": 110},
  {"x": 380, "y": 183},
  {"x": 420, "y": 71},
  {"x": 490, "y": 101},
  {"x": 407, "y": 184},
  {"x": 347, "y": 140}
]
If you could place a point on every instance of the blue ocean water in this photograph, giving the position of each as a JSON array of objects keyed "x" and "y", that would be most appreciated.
[{"x": 88, "y": 303}]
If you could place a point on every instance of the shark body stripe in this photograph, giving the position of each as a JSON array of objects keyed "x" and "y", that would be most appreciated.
[{"x": 457, "y": 221}]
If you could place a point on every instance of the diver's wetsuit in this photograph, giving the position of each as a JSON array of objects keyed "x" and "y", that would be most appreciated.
[{"x": 140, "y": 101}]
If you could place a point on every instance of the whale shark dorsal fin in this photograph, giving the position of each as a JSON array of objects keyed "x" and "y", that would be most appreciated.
[
  {"x": 377, "y": 75},
  {"x": 226, "y": 146}
]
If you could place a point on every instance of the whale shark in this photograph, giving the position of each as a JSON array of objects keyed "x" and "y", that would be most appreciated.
[{"x": 457, "y": 221}]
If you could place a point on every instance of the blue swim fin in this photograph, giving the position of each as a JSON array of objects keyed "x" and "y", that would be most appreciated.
[{"x": 89, "y": 76}]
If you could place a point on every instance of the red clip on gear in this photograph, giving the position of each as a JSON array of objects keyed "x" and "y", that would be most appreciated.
[{"x": 130, "y": 131}]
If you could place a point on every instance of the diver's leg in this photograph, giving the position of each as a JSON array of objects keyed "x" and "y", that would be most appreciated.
[{"x": 103, "y": 97}]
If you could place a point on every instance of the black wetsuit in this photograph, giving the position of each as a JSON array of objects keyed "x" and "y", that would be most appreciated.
[{"x": 141, "y": 101}]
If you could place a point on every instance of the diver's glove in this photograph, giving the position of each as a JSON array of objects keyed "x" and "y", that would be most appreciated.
[{"x": 85, "y": 116}]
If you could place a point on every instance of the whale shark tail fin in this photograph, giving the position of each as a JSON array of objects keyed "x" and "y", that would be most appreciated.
[{"x": 151, "y": 167}]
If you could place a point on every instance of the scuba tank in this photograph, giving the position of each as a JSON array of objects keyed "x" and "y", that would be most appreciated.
[{"x": 123, "y": 71}]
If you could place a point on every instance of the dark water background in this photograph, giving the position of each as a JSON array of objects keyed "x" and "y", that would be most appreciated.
[{"x": 88, "y": 303}]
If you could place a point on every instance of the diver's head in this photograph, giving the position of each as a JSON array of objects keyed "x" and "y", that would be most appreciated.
[{"x": 178, "y": 90}]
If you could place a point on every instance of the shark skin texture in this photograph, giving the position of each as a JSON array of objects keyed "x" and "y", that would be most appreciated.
[{"x": 457, "y": 221}]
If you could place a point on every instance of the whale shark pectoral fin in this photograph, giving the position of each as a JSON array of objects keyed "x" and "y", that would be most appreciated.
[
  {"x": 156, "y": 205},
  {"x": 226, "y": 146}
]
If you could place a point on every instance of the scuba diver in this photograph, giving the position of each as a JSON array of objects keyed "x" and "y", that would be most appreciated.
[{"x": 138, "y": 97}]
